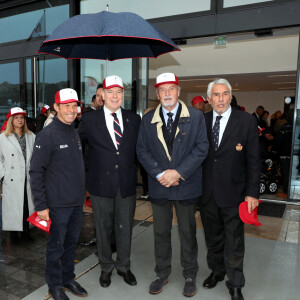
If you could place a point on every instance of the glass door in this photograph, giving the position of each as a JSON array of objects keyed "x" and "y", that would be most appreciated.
[{"x": 10, "y": 86}]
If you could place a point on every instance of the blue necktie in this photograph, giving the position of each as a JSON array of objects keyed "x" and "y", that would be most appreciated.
[
  {"x": 215, "y": 132},
  {"x": 117, "y": 129},
  {"x": 170, "y": 121}
]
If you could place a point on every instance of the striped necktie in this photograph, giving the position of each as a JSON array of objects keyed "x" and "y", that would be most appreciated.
[
  {"x": 117, "y": 129},
  {"x": 170, "y": 121},
  {"x": 215, "y": 132}
]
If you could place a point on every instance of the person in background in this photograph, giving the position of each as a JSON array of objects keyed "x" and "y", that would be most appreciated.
[
  {"x": 78, "y": 117},
  {"x": 16, "y": 145},
  {"x": 99, "y": 101},
  {"x": 199, "y": 103},
  {"x": 274, "y": 118},
  {"x": 264, "y": 123},
  {"x": 50, "y": 117},
  {"x": 284, "y": 146},
  {"x": 92, "y": 107},
  {"x": 257, "y": 114},
  {"x": 41, "y": 118},
  {"x": 58, "y": 187}
]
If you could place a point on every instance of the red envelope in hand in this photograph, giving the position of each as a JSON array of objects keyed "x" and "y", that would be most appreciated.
[
  {"x": 246, "y": 217},
  {"x": 35, "y": 220}
]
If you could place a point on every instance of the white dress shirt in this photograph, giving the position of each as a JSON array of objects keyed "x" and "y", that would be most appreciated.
[
  {"x": 223, "y": 122},
  {"x": 109, "y": 119}
]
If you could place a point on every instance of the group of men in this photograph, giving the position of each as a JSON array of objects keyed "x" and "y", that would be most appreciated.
[{"x": 186, "y": 154}]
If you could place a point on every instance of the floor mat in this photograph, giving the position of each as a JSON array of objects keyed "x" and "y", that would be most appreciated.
[{"x": 271, "y": 209}]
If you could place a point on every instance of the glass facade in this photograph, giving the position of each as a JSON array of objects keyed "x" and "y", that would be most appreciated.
[
  {"x": 232, "y": 3},
  {"x": 93, "y": 72},
  {"x": 20, "y": 27},
  {"x": 146, "y": 9},
  {"x": 52, "y": 76},
  {"x": 295, "y": 155},
  {"x": 10, "y": 89}
]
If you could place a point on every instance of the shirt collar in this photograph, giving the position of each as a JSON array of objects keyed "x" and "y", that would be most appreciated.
[
  {"x": 108, "y": 112},
  {"x": 174, "y": 111},
  {"x": 225, "y": 114}
]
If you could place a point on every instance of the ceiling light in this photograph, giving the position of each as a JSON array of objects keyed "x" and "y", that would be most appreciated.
[
  {"x": 283, "y": 75},
  {"x": 283, "y": 82},
  {"x": 286, "y": 88}
]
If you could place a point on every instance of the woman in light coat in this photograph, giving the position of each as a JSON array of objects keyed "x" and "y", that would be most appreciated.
[{"x": 16, "y": 145}]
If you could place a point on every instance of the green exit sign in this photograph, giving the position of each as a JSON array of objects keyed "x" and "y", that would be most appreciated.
[{"x": 221, "y": 41}]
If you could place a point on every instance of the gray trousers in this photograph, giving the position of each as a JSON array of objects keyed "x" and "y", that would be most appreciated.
[
  {"x": 162, "y": 215},
  {"x": 115, "y": 213}
]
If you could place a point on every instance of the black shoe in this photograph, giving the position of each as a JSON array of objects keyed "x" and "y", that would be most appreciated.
[
  {"x": 104, "y": 279},
  {"x": 58, "y": 294},
  {"x": 157, "y": 285},
  {"x": 190, "y": 288},
  {"x": 212, "y": 280},
  {"x": 128, "y": 277},
  {"x": 91, "y": 242},
  {"x": 235, "y": 293},
  {"x": 75, "y": 288}
]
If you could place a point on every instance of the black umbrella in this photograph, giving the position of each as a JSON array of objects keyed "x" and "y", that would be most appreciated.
[{"x": 107, "y": 35}]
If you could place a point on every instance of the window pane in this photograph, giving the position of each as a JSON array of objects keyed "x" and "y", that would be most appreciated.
[
  {"x": 231, "y": 3},
  {"x": 146, "y": 9},
  {"x": 19, "y": 27},
  {"x": 9, "y": 87},
  {"x": 93, "y": 72}
]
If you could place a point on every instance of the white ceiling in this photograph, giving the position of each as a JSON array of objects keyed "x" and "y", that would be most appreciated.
[{"x": 247, "y": 62}]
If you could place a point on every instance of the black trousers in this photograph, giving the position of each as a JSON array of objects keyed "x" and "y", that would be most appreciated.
[
  {"x": 162, "y": 215},
  {"x": 224, "y": 236},
  {"x": 65, "y": 230},
  {"x": 114, "y": 213}
]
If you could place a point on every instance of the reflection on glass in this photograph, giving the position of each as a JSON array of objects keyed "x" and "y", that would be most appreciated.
[
  {"x": 9, "y": 87},
  {"x": 52, "y": 76},
  {"x": 232, "y": 3},
  {"x": 146, "y": 9},
  {"x": 93, "y": 72},
  {"x": 19, "y": 27},
  {"x": 295, "y": 164},
  {"x": 28, "y": 105}
]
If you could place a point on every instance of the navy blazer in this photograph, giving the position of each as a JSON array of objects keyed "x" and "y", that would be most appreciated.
[
  {"x": 190, "y": 148},
  {"x": 233, "y": 171},
  {"x": 110, "y": 169}
]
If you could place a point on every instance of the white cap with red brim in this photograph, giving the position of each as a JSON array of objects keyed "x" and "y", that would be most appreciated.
[
  {"x": 166, "y": 78},
  {"x": 66, "y": 96},
  {"x": 16, "y": 111},
  {"x": 112, "y": 81}
]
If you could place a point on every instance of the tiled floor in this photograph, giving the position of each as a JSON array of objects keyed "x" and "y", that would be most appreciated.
[{"x": 22, "y": 265}]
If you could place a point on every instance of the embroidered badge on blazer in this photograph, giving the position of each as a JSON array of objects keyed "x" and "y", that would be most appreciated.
[{"x": 239, "y": 147}]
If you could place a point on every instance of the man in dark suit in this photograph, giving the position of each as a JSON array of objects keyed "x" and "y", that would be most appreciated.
[
  {"x": 172, "y": 145},
  {"x": 258, "y": 113},
  {"x": 112, "y": 133},
  {"x": 231, "y": 175}
]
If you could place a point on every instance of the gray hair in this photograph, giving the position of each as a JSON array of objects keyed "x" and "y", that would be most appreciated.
[{"x": 218, "y": 81}]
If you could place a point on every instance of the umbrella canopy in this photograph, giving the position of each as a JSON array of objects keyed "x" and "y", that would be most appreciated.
[{"x": 107, "y": 35}]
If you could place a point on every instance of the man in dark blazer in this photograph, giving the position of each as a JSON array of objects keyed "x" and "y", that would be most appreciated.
[
  {"x": 112, "y": 133},
  {"x": 258, "y": 113},
  {"x": 231, "y": 175},
  {"x": 172, "y": 145}
]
